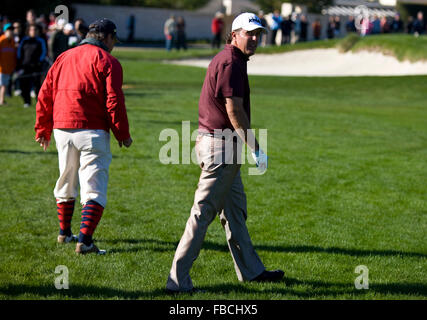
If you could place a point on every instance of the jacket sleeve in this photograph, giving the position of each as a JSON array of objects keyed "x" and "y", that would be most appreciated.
[
  {"x": 19, "y": 54},
  {"x": 44, "y": 109},
  {"x": 43, "y": 48},
  {"x": 116, "y": 109}
]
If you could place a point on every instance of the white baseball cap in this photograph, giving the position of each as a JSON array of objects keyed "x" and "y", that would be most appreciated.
[
  {"x": 61, "y": 22},
  {"x": 247, "y": 21},
  {"x": 68, "y": 27}
]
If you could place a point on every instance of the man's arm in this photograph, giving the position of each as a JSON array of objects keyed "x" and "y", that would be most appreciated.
[
  {"x": 43, "y": 47},
  {"x": 19, "y": 54},
  {"x": 116, "y": 105},
  {"x": 240, "y": 121},
  {"x": 44, "y": 112}
]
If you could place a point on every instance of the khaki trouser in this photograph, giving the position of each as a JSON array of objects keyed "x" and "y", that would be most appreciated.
[
  {"x": 84, "y": 158},
  {"x": 220, "y": 191}
]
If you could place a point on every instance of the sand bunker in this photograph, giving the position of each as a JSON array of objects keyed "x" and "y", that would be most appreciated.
[{"x": 324, "y": 62}]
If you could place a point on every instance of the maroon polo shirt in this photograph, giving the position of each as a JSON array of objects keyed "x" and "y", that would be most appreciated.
[{"x": 226, "y": 77}]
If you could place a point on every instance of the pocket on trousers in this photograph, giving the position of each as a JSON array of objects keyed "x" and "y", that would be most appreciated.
[
  {"x": 98, "y": 141},
  {"x": 209, "y": 153}
]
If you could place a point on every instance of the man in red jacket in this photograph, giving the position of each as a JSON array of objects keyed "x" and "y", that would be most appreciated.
[
  {"x": 216, "y": 27},
  {"x": 80, "y": 100}
]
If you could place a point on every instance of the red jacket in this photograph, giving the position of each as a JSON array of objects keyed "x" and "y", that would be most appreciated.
[
  {"x": 83, "y": 90},
  {"x": 217, "y": 25}
]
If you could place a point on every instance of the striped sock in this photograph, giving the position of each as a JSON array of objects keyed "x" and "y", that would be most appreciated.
[
  {"x": 91, "y": 214},
  {"x": 65, "y": 214}
]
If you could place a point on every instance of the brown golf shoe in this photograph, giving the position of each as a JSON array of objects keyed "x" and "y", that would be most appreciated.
[
  {"x": 81, "y": 248},
  {"x": 67, "y": 239}
]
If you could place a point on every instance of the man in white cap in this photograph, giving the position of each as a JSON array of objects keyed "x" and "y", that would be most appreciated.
[
  {"x": 58, "y": 41},
  {"x": 224, "y": 105}
]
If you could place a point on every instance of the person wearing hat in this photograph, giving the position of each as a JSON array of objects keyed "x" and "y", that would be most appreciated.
[
  {"x": 224, "y": 105},
  {"x": 71, "y": 35},
  {"x": 217, "y": 26},
  {"x": 58, "y": 41},
  {"x": 80, "y": 100},
  {"x": 7, "y": 59}
]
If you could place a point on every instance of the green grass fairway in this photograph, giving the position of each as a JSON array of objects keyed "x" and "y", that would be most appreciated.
[{"x": 346, "y": 186}]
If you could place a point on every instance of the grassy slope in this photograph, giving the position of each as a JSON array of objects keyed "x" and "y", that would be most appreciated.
[
  {"x": 345, "y": 187},
  {"x": 403, "y": 47}
]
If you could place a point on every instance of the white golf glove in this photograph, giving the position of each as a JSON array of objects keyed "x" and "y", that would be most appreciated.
[{"x": 261, "y": 160}]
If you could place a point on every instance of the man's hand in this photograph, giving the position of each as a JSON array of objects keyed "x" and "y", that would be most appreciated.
[
  {"x": 261, "y": 160},
  {"x": 126, "y": 143},
  {"x": 43, "y": 142}
]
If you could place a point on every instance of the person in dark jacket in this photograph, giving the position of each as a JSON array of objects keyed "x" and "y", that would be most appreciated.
[
  {"x": 131, "y": 28},
  {"x": 18, "y": 32},
  {"x": 81, "y": 29},
  {"x": 410, "y": 25},
  {"x": 263, "y": 36},
  {"x": 31, "y": 54},
  {"x": 331, "y": 28},
  {"x": 304, "y": 27},
  {"x": 181, "y": 41},
  {"x": 58, "y": 42},
  {"x": 287, "y": 25},
  {"x": 351, "y": 25},
  {"x": 419, "y": 24},
  {"x": 337, "y": 31},
  {"x": 396, "y": 24}
]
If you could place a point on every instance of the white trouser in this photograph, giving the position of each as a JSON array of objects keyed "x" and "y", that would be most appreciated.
[{"x": 83, "y": 154}]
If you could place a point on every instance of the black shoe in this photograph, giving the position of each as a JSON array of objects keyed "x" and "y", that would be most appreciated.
[
  {"x": 270, "y": 276},
  {"x": 191, "y": 291}
]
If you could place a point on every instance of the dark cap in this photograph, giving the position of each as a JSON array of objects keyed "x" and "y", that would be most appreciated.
[{"x": 103, "y": 25}]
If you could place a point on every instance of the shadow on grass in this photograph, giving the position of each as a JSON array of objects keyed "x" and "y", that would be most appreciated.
[
  {"x": 51, "y": 153},
  {"x": 162, "y": 246},
  {"x": 174, "y": 123},
  {"x": 140, "y": 94},
  {"x": 290, "y": 287},
  {"x": 147, "y": 244},
  {"x": 320, "y": 288},
  {"x": 79, "y": 291},
  {"x": 29, "y": 153},
  {"x": 345, "y": 251}
]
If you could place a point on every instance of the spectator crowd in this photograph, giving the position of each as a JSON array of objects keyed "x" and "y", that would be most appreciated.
[
  {"x": 28, "y": 49},
  {"x": 294, "y": 27},
  {"x": 378, "y": 25},
  {"x": 174, "y": 31}
]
